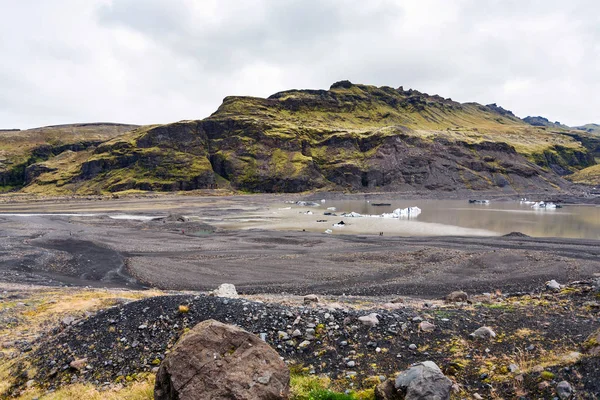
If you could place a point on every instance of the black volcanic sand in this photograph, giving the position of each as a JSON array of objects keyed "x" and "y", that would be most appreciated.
[
  {"x": 167, "y": 254},
  {"x": 122, "y": 341}
]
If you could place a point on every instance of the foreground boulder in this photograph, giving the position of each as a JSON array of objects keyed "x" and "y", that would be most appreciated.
[
  {"x": 215, "y": 361},
  {"x": 422, "y": 381}
]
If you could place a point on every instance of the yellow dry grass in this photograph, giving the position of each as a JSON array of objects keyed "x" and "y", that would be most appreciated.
[{"x": 140, "y": 390}]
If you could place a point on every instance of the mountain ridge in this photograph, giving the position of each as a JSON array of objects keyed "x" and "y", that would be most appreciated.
[{"x": 350, "y": 137}]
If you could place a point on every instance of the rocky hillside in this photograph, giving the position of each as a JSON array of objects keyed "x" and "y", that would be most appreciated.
[
  {"x": 24, "y": 152},
  {"x": 350, "y": 137}
]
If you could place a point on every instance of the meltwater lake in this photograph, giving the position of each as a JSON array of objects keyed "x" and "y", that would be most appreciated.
[{"x": 437, "y": 217}]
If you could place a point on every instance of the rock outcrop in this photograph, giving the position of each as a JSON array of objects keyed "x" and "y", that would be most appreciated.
[
  {"x": 351, "y": 137},
  {"x": 215, "y": 361}
]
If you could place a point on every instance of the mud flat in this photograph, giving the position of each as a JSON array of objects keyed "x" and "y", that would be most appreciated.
[{"x": 197, "y": 253}]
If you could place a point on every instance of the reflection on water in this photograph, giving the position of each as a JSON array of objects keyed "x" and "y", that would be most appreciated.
[{"x": 499, "y": 217}]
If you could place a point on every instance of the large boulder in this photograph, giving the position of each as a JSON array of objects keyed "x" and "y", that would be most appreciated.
[
  {"x": 422, "y": 381},
  {"x": 215, "y": 361}
]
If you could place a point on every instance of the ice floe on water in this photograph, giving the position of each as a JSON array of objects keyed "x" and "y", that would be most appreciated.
[{"x": 410, "y": 212}]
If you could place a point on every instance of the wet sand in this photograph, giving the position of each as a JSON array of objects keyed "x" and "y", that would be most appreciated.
[{"x": 198, "y": 255}]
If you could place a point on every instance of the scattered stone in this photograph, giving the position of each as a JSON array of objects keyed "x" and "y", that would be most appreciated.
[
  {"x": 426, "y": 326},
  {"x": 78, "y": 364},
  {"x": 226, "y": 290},
  {"x": 369, "y": 320},
  {"x": 553, "y": 285},
  {"x": 412, "y": 347},
  {"x": 513, "y": 368},
  {"x": 483, "y": 333},
  {"x": 543, "y": 385},
  {"x": 564, "y": 390},
  {"x": 296, "y": 333},
  {"x": 283, "y": 335},
  {"x": 422, "y": 381},
  {"x": 218, "y": 361},
  {"x": 457, "y": 296},
  {"x": 351, "y": 364},
  {"x": 477, "y": 396},
  {"x": 311, "y": 298},
  {"x": 537, "y": 369},
  {"x": 304, "y": 344},
  {"x": 66, "y": 321}
]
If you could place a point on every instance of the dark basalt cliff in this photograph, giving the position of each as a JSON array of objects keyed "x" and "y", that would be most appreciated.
[{"x": 351, "y": 137}]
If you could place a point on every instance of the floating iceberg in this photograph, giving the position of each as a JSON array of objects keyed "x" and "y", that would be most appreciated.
[
  {"x": 541, "y": 204},
  {"x": 409, "y": 212},
  {"x": 307, "y": 204}
]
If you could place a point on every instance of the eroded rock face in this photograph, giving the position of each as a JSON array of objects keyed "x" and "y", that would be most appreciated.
[{"x": 216, "y": 361}]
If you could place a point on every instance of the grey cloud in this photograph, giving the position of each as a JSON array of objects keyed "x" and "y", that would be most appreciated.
[{"x": 147, "y": 61}]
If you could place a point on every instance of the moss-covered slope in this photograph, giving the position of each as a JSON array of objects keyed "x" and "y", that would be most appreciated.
[
  {"x": 353, "y": 137},
  {"x": 20, "y": 150}
]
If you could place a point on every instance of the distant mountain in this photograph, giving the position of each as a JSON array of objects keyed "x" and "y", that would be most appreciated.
[
  {"x": 541, "y": 121},
  {"x": 590, "y": 128},
  {"x": 351, "y": 137}
]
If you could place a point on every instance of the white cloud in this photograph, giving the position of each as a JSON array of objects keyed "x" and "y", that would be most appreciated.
[{"x": 148, "y": 61}]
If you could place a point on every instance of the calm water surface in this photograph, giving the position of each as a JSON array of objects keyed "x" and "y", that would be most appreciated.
[
  {"x": 438, "y": 217},
  {"x": 500, "y": 217}
]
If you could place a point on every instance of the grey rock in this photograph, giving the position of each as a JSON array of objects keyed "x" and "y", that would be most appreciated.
[
  {"x": 553, "y": 285},
  {"x": 369, "y": 320},
  {"x": 304, "y": 344},
  {"x": 564, "y": 390},
  {"x": 457, "y": 296},
  {"x": 226, "y": 290},
  {"x": 311, "y": 298},
  {"x": 422, "y": 381},
  {"x": 483, "y": 333},
  {"x": 218, "y": 361},
  {"x": 426, "y": 326},
  {"x": 412, "y": 346}
]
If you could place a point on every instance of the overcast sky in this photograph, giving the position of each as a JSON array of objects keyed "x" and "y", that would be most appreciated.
[{"x": 158, "y": 61}]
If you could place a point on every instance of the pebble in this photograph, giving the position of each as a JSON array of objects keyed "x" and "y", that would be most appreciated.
[
  {"x": 564, "y": 390},
  {"x": 351, "y": 364},
  {"x": 412, "y": 347},
  {"x": 304, "y": 344}
]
